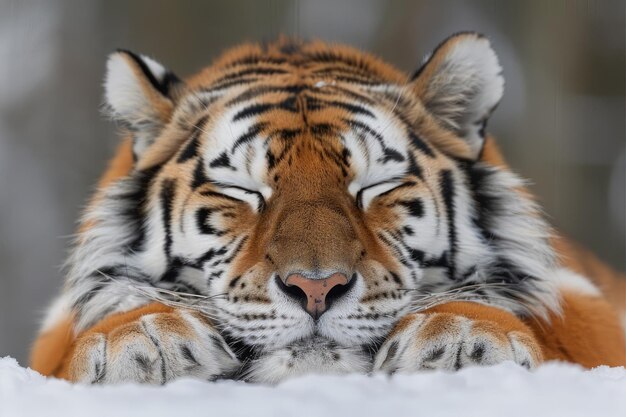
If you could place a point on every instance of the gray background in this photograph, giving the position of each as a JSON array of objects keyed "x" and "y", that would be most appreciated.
[{"x": 561, "y": 122}]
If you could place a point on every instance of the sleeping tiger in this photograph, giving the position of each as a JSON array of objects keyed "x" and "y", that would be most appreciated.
[{"x": 303, "y": 207}]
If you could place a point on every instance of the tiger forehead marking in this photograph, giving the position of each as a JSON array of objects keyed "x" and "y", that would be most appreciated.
[
  {"x": 300, "y": 193},
  {"x": 307, "y": 149}
]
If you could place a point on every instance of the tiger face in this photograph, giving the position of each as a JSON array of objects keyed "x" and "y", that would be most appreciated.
[{"x": 308, "y": 195}]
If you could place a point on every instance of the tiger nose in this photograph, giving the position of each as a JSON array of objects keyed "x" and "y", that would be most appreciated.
[{"x": 317, "y": 294}]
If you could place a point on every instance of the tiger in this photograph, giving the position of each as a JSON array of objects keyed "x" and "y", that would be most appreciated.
[{"x": 303, "y": 207}]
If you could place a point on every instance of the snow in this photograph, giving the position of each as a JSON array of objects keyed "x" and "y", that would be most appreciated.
[{"x": 555, "y": 389}]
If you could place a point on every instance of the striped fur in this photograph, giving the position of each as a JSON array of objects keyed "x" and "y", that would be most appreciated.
[{"x": 304, "y": 157}]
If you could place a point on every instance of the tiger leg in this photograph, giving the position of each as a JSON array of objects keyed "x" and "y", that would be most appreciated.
[
  {"x": 450, "y": 336},
  {"x": 588, "y": 331},
  {"x": 152, "y": 344},
  {"x": 455, "y": 335}
]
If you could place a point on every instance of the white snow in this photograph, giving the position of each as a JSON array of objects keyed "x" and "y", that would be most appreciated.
[{"x": 555, "y": 389}]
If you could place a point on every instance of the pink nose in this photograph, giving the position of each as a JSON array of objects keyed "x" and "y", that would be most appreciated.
[{"x": 316, "y": 290}]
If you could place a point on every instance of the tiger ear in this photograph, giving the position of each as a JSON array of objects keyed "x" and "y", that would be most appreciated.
[
  {"x": 139, "y": 94},
  {"x": 460, "y": 84}
]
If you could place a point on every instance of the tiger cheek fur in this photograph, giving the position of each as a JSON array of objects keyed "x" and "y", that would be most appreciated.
[{"x": 305, "y": 201}]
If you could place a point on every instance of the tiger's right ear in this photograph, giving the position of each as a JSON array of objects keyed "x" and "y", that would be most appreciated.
[{"x": 140, "y": 94}]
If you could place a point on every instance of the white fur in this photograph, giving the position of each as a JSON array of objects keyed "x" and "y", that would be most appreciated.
[
  {"x": 466, "y": 87},
  {"x": 123, "y": 90},
  {"x": 128, "y": 100},
  {"x": 412, "y": 349},
  {"x": 60, "y": 309},
  {"x": 310, "y": 356},
  {"x": 565, "y": 279}
]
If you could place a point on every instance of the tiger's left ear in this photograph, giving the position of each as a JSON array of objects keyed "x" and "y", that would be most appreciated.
[
  {"x": 140, "y": 94},
  {"x": 460, "y": 84}
]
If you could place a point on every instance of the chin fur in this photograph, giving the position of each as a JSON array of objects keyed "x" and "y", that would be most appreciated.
[{"x": 315, "y": 355}]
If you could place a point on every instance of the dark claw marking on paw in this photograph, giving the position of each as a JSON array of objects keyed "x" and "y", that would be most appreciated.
[
  {"x": 158, "y": 346},
  {"x": 391, "y": 353},
  {"x": 101, "y": 368},
  {"x": 435, "y": 355},
  {"x": 525, "y": 364},
  {"x": 220, "y": 344},
  {"x": 144, "y": 363},
  {"x": 478, "y": 353},
  {"x": 99, "y": 373},
  {"x": 188, "y": 355},
  {"x": 457, "y": 362}
]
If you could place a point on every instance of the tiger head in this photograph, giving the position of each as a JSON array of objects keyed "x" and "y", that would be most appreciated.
[{"x": 300, "y": 191}]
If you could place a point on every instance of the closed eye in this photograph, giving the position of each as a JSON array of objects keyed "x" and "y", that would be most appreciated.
[
  {"x": 365, "y": 195},
  {"x": 254, "y": 198}
]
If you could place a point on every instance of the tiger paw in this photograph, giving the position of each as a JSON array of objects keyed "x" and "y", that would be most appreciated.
[
  {"x": 449, "y": 341},
  {"x": 152, "y": 348}
]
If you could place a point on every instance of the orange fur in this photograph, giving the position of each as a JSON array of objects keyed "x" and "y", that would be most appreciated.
[
  {"x": 612, "y": 283},
  {"x": 106, "y": 326},
  {"x": 475, "y": 311},
  {"x": 51, "y": 347},
  {"x": 588, "y": 332},
  {"x": 120, "y": 166}
]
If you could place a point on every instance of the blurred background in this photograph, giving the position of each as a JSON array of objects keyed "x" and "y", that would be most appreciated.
[{"x": 561, "y": 123}]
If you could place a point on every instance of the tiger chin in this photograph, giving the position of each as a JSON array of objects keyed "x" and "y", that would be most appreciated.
[{"x": 299, "y": 207}]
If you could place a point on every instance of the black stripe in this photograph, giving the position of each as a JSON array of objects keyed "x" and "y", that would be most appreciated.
[
  {"x": 203, "y": 219},
  {"x": 395, "y": 248},
  {"x": 318, "y": 104},
  {"x": 414, "y": 168},
  {"x": 222, "y": 161},
  {"x": 134, "y": 203},
  {"x": 258, "y": 109},
  {"x": 210, "y": 254},
  {"x": 234, "y": 281},
  {"x": 168, "y": 192},
  {"x": 199, "y": 176},
  {"x": 447, "y": 190},
  {"x": 403, "y": 185},
  {"x": 230, "y": 84},
  {"x": 257, "y": 59},
  {"x": 323, "y": 129},
  {"x": 396, "y": 278},
  {"x": 256, "y": 92},
  {"x": 173, "y": 270},
  {"x": 367, "y": 129},
  {"x": 250, "y": 71},
  {"x": 221, "y": 195},
  {"x": 391, "y": 155},
  {"x": 191, "y": 149},
  {"x": 486, "y": 205},
  {"x": 415, "y": 207},
  {"x": 333, "y": 89},
  {"x": 163, "y": 86},
  {"x": 421, "y": 145},
  {"x": 235, "y": 252},
  {"x": 251, "y": 134}
]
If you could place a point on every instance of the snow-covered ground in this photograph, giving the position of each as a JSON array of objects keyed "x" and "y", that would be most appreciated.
[{"x": 504, "y": 390}]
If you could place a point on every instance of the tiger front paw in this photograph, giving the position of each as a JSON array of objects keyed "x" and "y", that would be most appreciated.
[
  {"x": 153, "y": 348},
  {"x": 450, "y": 341}
]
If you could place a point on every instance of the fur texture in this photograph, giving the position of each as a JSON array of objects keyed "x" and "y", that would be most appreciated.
[{"x": 307, "y": 159}]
